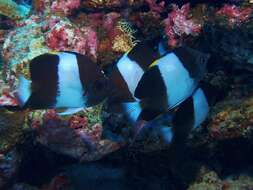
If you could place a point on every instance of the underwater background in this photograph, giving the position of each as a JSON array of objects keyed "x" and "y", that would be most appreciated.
[{"x": 42, "y": 149}]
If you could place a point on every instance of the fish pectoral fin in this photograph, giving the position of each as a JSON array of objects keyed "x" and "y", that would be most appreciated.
[
  {"x": 70, "y": 111},
  {"x": 166, "y": 134},
  {"x": 164, "y": 119}
]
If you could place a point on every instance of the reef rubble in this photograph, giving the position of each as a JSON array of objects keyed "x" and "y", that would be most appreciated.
[{"x": 104, "y": 31}]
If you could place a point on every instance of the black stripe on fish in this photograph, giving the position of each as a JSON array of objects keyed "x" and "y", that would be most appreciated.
[
  {"x": 152, "y": 91},
  {"x": 93, "y": 80},
  {"x": 44, "y": 77},
  {"x": 120, "y": 90},
  {"x": 212, "y": 93},
  {"x": 143, "y": 55},
  {"x": 183, "y": 119},
  {"x": 151, "y": 84},
  {"x": 83, "y": 64},
  {"x": 148, "y": 114},
  {"x": 193, "y": 60}
]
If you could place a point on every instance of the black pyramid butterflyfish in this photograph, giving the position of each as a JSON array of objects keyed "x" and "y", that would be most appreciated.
[
  {"x": 62, "y": 80},
  {"x": 171, "y": 79},
  {"x": 128, "y": 71},
  {"x": 155, "y": 80},
  {"x": 177, "y": 123}
]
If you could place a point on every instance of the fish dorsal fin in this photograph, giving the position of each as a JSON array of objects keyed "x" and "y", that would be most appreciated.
[
  {"x": 194, "y": 61},
  {"x": 143, "y": 54},
  {"x": 151, "y": 84}
]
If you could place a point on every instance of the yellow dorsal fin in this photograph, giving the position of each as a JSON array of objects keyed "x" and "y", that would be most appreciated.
[
  {"x": 153, "y": 64},
  {"x": 54, "y": 52}
]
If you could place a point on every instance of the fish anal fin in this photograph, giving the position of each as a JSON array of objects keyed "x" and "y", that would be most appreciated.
[{"x": 70, "y": 111}]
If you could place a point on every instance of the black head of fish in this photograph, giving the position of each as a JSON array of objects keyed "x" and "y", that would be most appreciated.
[
  {"x": 93, "y": 79},
  {"x": 193, "y": 60}
]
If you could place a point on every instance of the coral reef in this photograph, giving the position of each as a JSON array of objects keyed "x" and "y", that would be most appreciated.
[
  {"x": 9, "y": 164},
  {"x": 104, "y": 30},
  {"x": 103, "y": 4},
  {"x": 179, "y": 23},
  {"x": 125, "y": 41},
  {"x": 155, "y": 7},
  {"x": 232, "y": 118},
  {"x": 221, "y": 38},
  {"x": 11, "y": 9},
  {"x": 78, "y": 136},
  {"x": 234, "y": 14},
  {"x": 67, "y": 7},
  {"x": 64, "y": 36},
  {"x": 209, "y": 180},
  {"x": 12, "y": 129}
]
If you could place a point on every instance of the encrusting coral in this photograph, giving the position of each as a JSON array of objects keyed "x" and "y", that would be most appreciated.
[
  {"x": 209, "y": 180},
  {"x": 11, "y": 9},
  {"x": 232, "y": 119},
  {"x": 12, "y": 129}
]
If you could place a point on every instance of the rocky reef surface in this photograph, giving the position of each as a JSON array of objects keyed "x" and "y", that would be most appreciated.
[{"x": 42, "y": 150}]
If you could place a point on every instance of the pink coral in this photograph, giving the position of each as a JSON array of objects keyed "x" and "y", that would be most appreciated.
[
  {"x": 94, "y": 132},
  {"x": 97, "y": 130},
  {"x": 85, "y": 41},
  {"x": 66, "y": 37},
  {"x": 57, "y": 39},
  {"x": 234, "y": 14},
  {"x": 51, "y": 115},
  {"x": 65, "y": 6},
  {"x": 178, "y": 23},
  {"x": 109, "y": 21},
  {"x": 155, "y": 7},
  {"x": 76, "y": 122},
  {"x": 8, "y": 99}
]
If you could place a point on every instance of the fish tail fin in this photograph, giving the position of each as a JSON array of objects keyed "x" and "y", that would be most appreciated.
[
  {"x": 166, "y": 133},
  {"x": 159, "y": 124},
  {"x": 24, "y": 90},
  {"x": 132, "y": 111}
]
